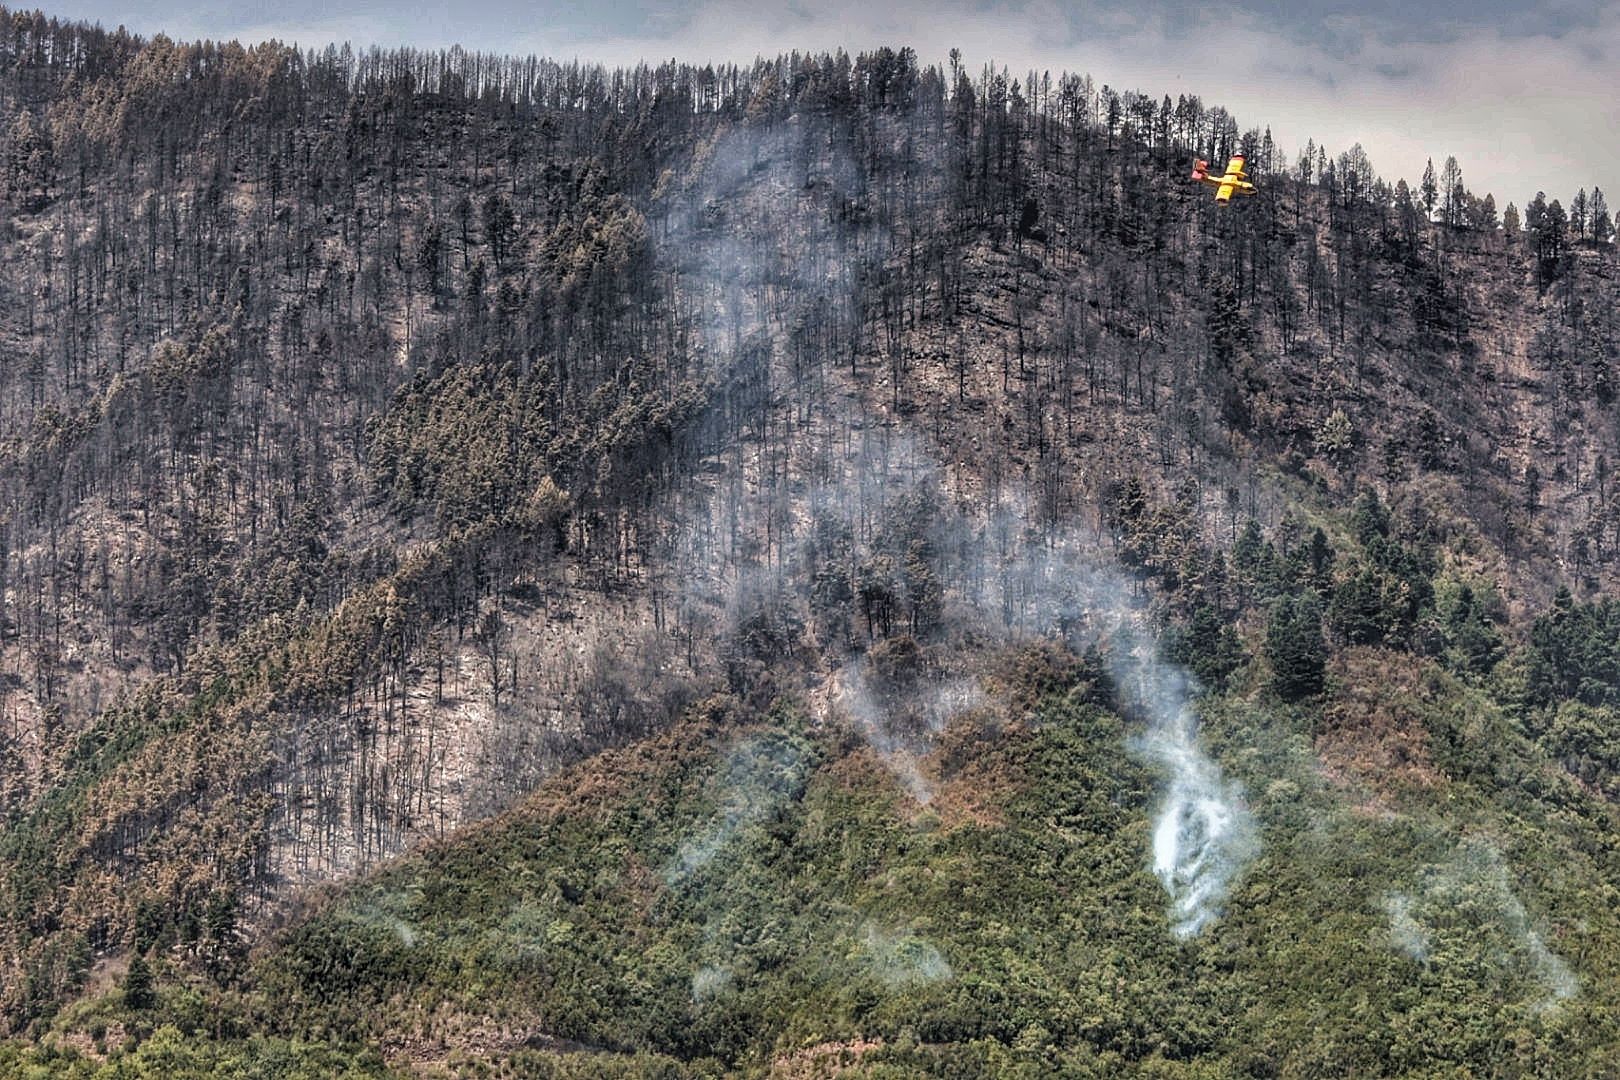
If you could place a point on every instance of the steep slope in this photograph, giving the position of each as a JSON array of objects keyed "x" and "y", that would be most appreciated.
[
  {"x": 748, "y": 893},
  {"x": 839, "y": 920},
  {"x": 399, "y": 427}
]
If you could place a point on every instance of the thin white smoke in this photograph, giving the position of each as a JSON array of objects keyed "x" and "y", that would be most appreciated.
[
  {"x": 1204, "y": 833},
  {"x": 759, "y": 777},
  {"x": 1006, "y": 576},
  {"x": 1471, "y": 900}
]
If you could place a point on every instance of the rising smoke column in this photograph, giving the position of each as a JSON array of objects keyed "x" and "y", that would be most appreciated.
[
  {"x": 1203, "y": 834},
  {"x": 1065, "y": 585},
  {"x": 1044, "y": 580},
  {"x": 1013, "y": 582}
]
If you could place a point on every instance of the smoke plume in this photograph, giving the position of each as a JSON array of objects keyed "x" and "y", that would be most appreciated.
[
  {"x": 1203, "y": 834},
  {"x": 759, "y": 776},
  {"x": 843, "y": 535},
  {"x": 1465, "y": 910}
]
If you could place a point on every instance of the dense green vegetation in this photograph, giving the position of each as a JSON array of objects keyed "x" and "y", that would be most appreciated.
[
  {"x": 167, "y": 1054},
  {"x": 751, "y": 893}
]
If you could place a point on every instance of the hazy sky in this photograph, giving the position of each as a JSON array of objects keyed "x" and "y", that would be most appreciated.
[{"x": 1526, "y": 95}]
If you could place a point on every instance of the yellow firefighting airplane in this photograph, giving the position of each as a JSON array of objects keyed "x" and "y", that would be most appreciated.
[{"x": 1234, "y": 182}]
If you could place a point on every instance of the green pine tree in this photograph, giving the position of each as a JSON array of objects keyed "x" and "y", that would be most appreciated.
[
  {"x": 1357, "y": 612},
  {"x": 1208, "y": 647},
  {"x": 1474, "y": 644},
  {"x": 1295, "y": 648},
  {"x": 137, "y": 987}
]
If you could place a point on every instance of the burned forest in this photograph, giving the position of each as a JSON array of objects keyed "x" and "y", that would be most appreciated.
[{"x": 848, "y": 565}]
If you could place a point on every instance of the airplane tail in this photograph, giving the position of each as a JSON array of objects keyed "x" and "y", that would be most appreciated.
[{"x": 1200, "y": 169}]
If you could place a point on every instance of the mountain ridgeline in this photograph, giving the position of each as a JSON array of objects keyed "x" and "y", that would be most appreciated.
[{"x": 838, "y": 566}]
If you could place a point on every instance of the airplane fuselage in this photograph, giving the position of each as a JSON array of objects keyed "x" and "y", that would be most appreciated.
[{"x": 1235, "y": 181}]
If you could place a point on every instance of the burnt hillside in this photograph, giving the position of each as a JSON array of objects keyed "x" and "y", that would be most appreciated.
[{"x": 381, "y": 432}]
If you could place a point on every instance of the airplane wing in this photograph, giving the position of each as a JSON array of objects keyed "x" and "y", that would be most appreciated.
[
  {"x": 1225, "y": 194},
  {"x": 1234, "y": 168}
]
